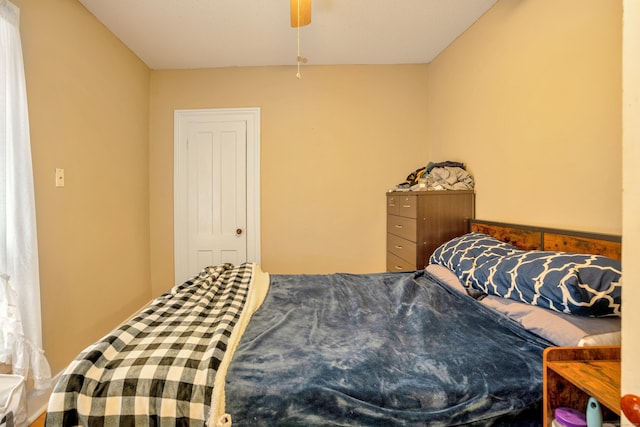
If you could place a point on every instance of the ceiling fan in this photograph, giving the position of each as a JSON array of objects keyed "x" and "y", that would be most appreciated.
[
  {"x": 300, "y": 16},
  {"x": 300, "y": 13}
]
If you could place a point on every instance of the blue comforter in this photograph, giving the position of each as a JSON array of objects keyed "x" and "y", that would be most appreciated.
[{"x": 381, "y": 350}]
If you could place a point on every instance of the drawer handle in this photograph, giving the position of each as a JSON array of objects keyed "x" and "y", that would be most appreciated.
[
  {"x": 398, "y": 267},
  {"x": 399, "y": 226},
  {"x": 399, "y": 246},
  {"x": 406, "y": 206}
]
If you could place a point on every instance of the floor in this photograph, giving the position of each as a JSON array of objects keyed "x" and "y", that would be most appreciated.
[{"x": 39, "y": 422}]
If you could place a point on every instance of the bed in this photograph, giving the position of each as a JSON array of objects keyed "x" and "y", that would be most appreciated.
[{"x": 237, "y": 346}]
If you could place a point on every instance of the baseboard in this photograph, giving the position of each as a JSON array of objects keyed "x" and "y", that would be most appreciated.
[{"x": 37, "y": 400}]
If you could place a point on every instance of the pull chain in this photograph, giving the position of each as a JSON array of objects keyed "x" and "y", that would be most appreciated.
[
  {"x": 298, "y": 75},
  {"x": 300, "y": 59}
]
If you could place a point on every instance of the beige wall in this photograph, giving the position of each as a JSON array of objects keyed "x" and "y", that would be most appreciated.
[
  {"x": 88, "y": 106},
  {"x": 331, "y": 145},
  {"x": 530, "y": 98}
]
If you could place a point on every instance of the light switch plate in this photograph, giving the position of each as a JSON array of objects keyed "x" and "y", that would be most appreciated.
[{"x": 59, "y": 177}]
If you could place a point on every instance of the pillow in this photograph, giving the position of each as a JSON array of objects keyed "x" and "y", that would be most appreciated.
[
  {"x": 581, "y": 284},
  {"x": 610, "y": 338},
  {"x": 447, "y": 277},
  {"x": 559, "y": 328},
  {"x": 461, "y": 254}
]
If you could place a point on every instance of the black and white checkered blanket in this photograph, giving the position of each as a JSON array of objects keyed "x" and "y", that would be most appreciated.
[{"x": 159, "y": 367}]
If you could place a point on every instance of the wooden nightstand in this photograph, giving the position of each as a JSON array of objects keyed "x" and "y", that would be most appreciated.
[{"x": 573, "y": 374}]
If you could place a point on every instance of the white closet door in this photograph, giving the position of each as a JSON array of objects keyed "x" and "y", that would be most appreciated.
[{"x": 213, "y": 225}]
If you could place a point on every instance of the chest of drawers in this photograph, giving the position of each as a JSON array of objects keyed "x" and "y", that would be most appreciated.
[{"x": 418, "y": 222}]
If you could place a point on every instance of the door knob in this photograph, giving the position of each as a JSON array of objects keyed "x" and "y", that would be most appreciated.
[{"x": 238, "y": 231}]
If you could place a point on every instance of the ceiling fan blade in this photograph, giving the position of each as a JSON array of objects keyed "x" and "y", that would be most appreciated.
[{"x": 302, "y": 17}]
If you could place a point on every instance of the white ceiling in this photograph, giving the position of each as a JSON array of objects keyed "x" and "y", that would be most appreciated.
[{"x": 179, "y": 34}]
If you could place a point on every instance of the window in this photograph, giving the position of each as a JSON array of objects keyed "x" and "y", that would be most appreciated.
[{"x": 21, "y": 334}]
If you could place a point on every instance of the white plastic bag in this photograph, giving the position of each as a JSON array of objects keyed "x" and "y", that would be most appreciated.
[{"x": 13, "y": 401}]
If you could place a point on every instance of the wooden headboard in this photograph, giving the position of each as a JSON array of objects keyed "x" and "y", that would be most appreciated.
[{"x": 549, "y": 239}]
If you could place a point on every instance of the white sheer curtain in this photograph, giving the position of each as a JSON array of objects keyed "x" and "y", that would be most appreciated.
[{"x": 21, "y": 337}]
